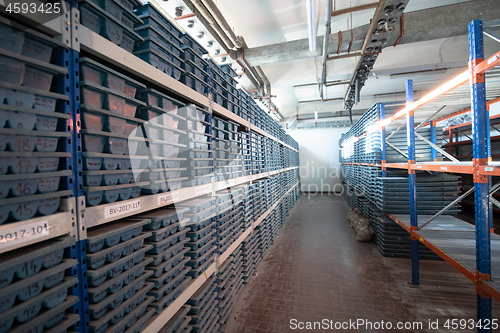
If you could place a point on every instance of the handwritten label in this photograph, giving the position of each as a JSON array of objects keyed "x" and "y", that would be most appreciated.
[
  {"x": 21, "y": 234},
  {"x": 203, "y": 189},
  {"x": 122, "y": 208},
  {"x": 168, "y": 198}
]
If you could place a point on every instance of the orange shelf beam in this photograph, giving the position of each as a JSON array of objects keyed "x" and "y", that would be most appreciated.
[
  {"x": 457, "y": 81},
  {"x": 453, "y": 262},
  {"x": 464, "y": 169},
  {"x": 495, "y": 293}
]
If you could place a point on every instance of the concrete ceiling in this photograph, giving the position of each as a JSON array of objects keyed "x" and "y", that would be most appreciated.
[{"x": 265, "y": 24}]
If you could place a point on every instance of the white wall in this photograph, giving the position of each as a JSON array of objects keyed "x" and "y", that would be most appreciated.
[{"x": 319, "y": 157}]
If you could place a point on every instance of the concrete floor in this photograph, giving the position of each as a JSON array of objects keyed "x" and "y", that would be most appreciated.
[{"x": 315, "y": 270}]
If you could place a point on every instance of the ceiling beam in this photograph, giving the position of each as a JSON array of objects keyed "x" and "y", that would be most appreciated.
[
  {"x": 332, "y": 114},
  {"x": 325, "y": 100},
  {"x": 423, "y": 25},
  {"x": 338, "y": 123},
  {"x": 328, "y": 84},
  {"x": 354, "y": 9}
]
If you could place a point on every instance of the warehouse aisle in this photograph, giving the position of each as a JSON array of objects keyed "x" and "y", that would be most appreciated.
[{"x": 315, "y": 270}]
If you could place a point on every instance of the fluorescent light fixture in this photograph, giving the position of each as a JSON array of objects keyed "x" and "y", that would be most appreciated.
[
  {"x": 316, "y": 115},
  {"x": 311, "y": 23},
  {"x": 422, "y": 72}
]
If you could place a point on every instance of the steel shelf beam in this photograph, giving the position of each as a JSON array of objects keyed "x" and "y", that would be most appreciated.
[
  {"x": 266, "y": 214},
  {"x": 491, "y": 288},
  {"x": 156, "y": 322},
  {"x": 101, "y": 214},
  {"x": 58, "y": 224},
  {"x": 99, "y": 46},
  {"x": 445, "y": 256}
]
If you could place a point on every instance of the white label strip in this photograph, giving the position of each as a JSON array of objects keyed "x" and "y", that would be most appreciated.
[
  {"x": 493, "y": 59},
  {"x": 167, "y": 199},
  {"x": 122, "y": 208},
  {"x": 203, "y": 189},
  {"x": 21, "y": 234}
]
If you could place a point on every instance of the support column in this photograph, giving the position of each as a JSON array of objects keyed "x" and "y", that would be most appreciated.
[
  {"x": 433, "y": 140},
  {"x": 450, "y": 141},
  {"x": 382, "y": 140},
  {"x": 481, "y": 143},
  {"x": 412, "y": 177}
]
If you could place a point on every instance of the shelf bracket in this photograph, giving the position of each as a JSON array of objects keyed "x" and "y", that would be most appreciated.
[{"x": 75, "y": 33}]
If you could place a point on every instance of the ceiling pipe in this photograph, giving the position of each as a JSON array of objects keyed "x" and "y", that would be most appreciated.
[
  {"x": 208, "y": 21},
  {"x": 355, "y": 9},
  {"x": 214, "y": 10},
  {"x": 264, "y": 79},
  {"x": 223, "y": 31},
  {"x": 330, "y": 114},
  {"x": 326, "y": 120},
  {"x": 324, "y": 100},
  {"x": 328, "y": 22},
  {"x": 328, "y": 84},
  {"x": 324, "y": 124},
  {"x": 342, "y": 56},
  {"x": 239, "y": 56},
  {"x": 311, "y": 23},
  {"x": 182, "y": 17}
]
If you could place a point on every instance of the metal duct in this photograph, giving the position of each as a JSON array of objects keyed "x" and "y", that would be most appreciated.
[
  {"x": 328, "y": 22},
  {"x": 324, "y": 124},
  {"x": 214, "y": 10},
  {"x": 331, "y": 114}
]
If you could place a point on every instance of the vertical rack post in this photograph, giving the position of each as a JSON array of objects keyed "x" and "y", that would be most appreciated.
[
  {"x": 450, "y": 141},
  {"x": 412, "y": 178},
  {"x": 63, "y": 58},
  {"x": 69, "y": 85},
  {"x": 489, "y": 132},
  {"x": 433, "y": 140},
  {"x": 80, "y": 251},
  {"x": 481, "y": 143},
  {"x": 490, "y": 217},
  {"x": 382, "y": 140}
]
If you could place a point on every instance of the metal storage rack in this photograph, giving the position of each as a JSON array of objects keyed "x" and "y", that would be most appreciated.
[
  {"x": 448, "y": 236},
  {"x": 76, "y": 218},
  {"x": 60, "y": 227}
]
